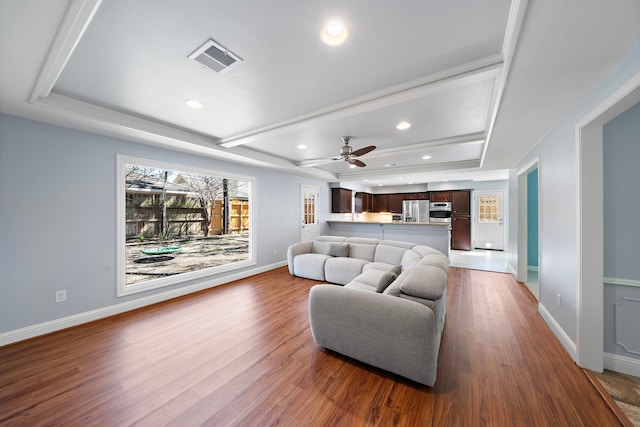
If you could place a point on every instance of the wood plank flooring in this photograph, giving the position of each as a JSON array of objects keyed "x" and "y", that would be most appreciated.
[{"x": 242, "y": 354}]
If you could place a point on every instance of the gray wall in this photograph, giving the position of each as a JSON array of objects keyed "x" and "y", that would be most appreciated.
[
  {"x": 621, "y": 139},
  {"x": 557, "y": 194},
  {"x": 58, "y": 218}
]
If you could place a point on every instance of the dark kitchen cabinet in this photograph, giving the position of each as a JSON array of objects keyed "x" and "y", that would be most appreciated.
[
  {"x": 415, "y": 196},
  {"x": 460, "y": 219},
  {"x": 394, "y": 202},
  {"x": 367, "y": 202},
  {"x": 341, "y": 200},
  {"x": 363, "y": 202},
  {"x": 440, "y": 196},
  {"x": 358, "y": 201},
  {"x": 460, "y": 202},
  {"x": 380, "y": 203},
  {"x": 461, "y": 233}
]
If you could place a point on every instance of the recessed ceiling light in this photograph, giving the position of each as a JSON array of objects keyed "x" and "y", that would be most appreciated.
[
  {"x": 389, "y": 165},
  {"x": 379, "y": 185},
  {"x": 334, "y": 33},
  {"x": 403, "y": 125},
  {"x": 352, "y": 166},
  {"x": 409, "y": 182},
  {"x": 194, "y": 103},
  {"x": 302, "y": 147},
  {"x": 427, "y": 157}
]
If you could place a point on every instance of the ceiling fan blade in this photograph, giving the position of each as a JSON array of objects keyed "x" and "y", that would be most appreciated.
[
  {"x": 358, "y": 163},
  {"x": 363, "y": 150},
  {"x": 315, "y": 162}
]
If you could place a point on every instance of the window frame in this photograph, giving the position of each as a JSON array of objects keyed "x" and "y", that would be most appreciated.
[{"x": 122, "y": 288}]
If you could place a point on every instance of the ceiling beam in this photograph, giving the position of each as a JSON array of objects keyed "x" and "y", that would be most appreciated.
[
  {"x": 487, "y": 68},
  {"x": 76, "y": 19}
]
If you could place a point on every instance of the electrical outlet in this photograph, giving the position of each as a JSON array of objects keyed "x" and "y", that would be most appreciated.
[
  {"x": 61, "y": 296},
  {"x": 558, "y": 299},
  {"x": 275, "y": 252}
]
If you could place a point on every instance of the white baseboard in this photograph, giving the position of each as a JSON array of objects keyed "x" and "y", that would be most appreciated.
[
  {"x": 622, "y": 364},
  {"x": 557, "y": 330},
  {"x": 513, "y": 272},
  {"x": 90, "y": 316}
]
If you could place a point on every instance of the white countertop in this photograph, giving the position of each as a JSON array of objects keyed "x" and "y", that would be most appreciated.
[{"x": 344, "y": 221}]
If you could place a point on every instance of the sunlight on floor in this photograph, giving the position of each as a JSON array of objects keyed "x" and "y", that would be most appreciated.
[
  {"x": 480, "y": 259},
  {"x": 487, "y": 260}
]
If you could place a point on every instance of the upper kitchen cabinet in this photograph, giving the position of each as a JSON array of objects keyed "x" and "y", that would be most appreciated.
[
  {"x": 358, "y": 201},
  {"x": 380, "y": 203},
  {"x": 363, "y": 202},
  {"x": 394, "y": 203},
  {"x": 341, "y": 200},
  {"x": 460, "y": 202},
  {"x": 415, "y": 196},
  {"x": 440, "y": 196}
]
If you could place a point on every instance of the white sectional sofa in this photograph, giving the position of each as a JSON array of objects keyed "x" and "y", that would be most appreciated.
[{"x": 390, "y": 312}]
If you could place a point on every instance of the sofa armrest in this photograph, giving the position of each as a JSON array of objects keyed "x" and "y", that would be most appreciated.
[
  {"x": 393, "y": 334},
  {"x": 295, "y": 250}
]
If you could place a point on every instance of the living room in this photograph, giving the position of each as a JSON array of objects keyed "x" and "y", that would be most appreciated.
[{"x": 58, "y": 177}]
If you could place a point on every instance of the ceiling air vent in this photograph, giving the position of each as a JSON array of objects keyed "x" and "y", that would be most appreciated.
[{"x": 215, "y": 56}]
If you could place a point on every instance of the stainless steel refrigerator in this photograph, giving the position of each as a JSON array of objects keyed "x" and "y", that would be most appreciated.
[{"x": 415, "y": 210}]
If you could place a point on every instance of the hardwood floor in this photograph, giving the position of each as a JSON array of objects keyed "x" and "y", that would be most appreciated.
[{"x": 242, "y": 354}]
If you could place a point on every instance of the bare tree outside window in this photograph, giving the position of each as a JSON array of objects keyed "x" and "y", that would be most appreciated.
[{"x": 178, "y": 221}]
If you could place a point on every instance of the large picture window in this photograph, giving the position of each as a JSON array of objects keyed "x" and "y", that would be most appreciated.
[{"x": 177, "y": 223}]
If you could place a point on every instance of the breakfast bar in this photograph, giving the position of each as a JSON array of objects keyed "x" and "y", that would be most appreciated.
[{"x": 436, "y": 235}]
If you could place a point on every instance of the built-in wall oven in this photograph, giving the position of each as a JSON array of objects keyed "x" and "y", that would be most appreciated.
[{"x": 440, "y": 212}]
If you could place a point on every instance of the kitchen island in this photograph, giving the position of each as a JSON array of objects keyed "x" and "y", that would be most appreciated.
[{"x": 436, "y": 235}]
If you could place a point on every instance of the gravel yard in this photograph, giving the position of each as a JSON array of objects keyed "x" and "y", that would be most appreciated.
[{"x": 196, "y": 253}]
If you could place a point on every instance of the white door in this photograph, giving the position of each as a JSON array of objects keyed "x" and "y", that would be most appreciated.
[
  {"x": 489, "y": 220},
  {"x": 310, "y": 228}
]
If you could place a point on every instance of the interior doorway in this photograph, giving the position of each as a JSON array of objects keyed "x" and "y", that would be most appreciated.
[
  {"x": 527, "y": 231},
  {"x": 533, "y": 254}
]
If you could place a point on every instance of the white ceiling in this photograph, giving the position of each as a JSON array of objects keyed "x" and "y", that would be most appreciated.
[{"x": 480, "y": 82}]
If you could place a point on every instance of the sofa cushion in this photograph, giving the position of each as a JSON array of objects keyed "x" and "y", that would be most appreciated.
[
  {"x": 389, "y": 254},
  {"x": 341, "y": 270},
  {"x": 339, "y": 249},
  {"x": 387, "y": 278},
  {"x": 359, "y": 286},
  {"x": 383, "y": 266},
  {"x": 330, "y": 239},
  {"x": 310, "y": 266},
  {"x": 321, "y": 244},
  {"x": 362, "y": 251},
  {"x": 362, "y": 240},
  {"x": 369, "y": 278},
  {"x": 398, "y": 244},
  {"x": 408, "y": 259},
  {"x": 425, "y": 250},
  {"x": 435, "y": 260},
  {"x": 428, "y": 302},
  {"x": 423, "y": 281},
  {"x": 319, "y": 247}
]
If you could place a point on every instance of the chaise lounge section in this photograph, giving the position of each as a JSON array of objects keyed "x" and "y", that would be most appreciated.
[{"x": 390, "y": 312}]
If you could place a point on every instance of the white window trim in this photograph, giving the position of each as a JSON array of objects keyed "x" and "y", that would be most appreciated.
[{"x": 122, "y": 288}]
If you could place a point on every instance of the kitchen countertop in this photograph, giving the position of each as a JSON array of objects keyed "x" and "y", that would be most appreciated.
[{"x": 389, "y": 222}]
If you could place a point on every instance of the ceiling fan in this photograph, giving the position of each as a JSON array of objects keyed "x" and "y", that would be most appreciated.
[{"x": 346, "y": 153}]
